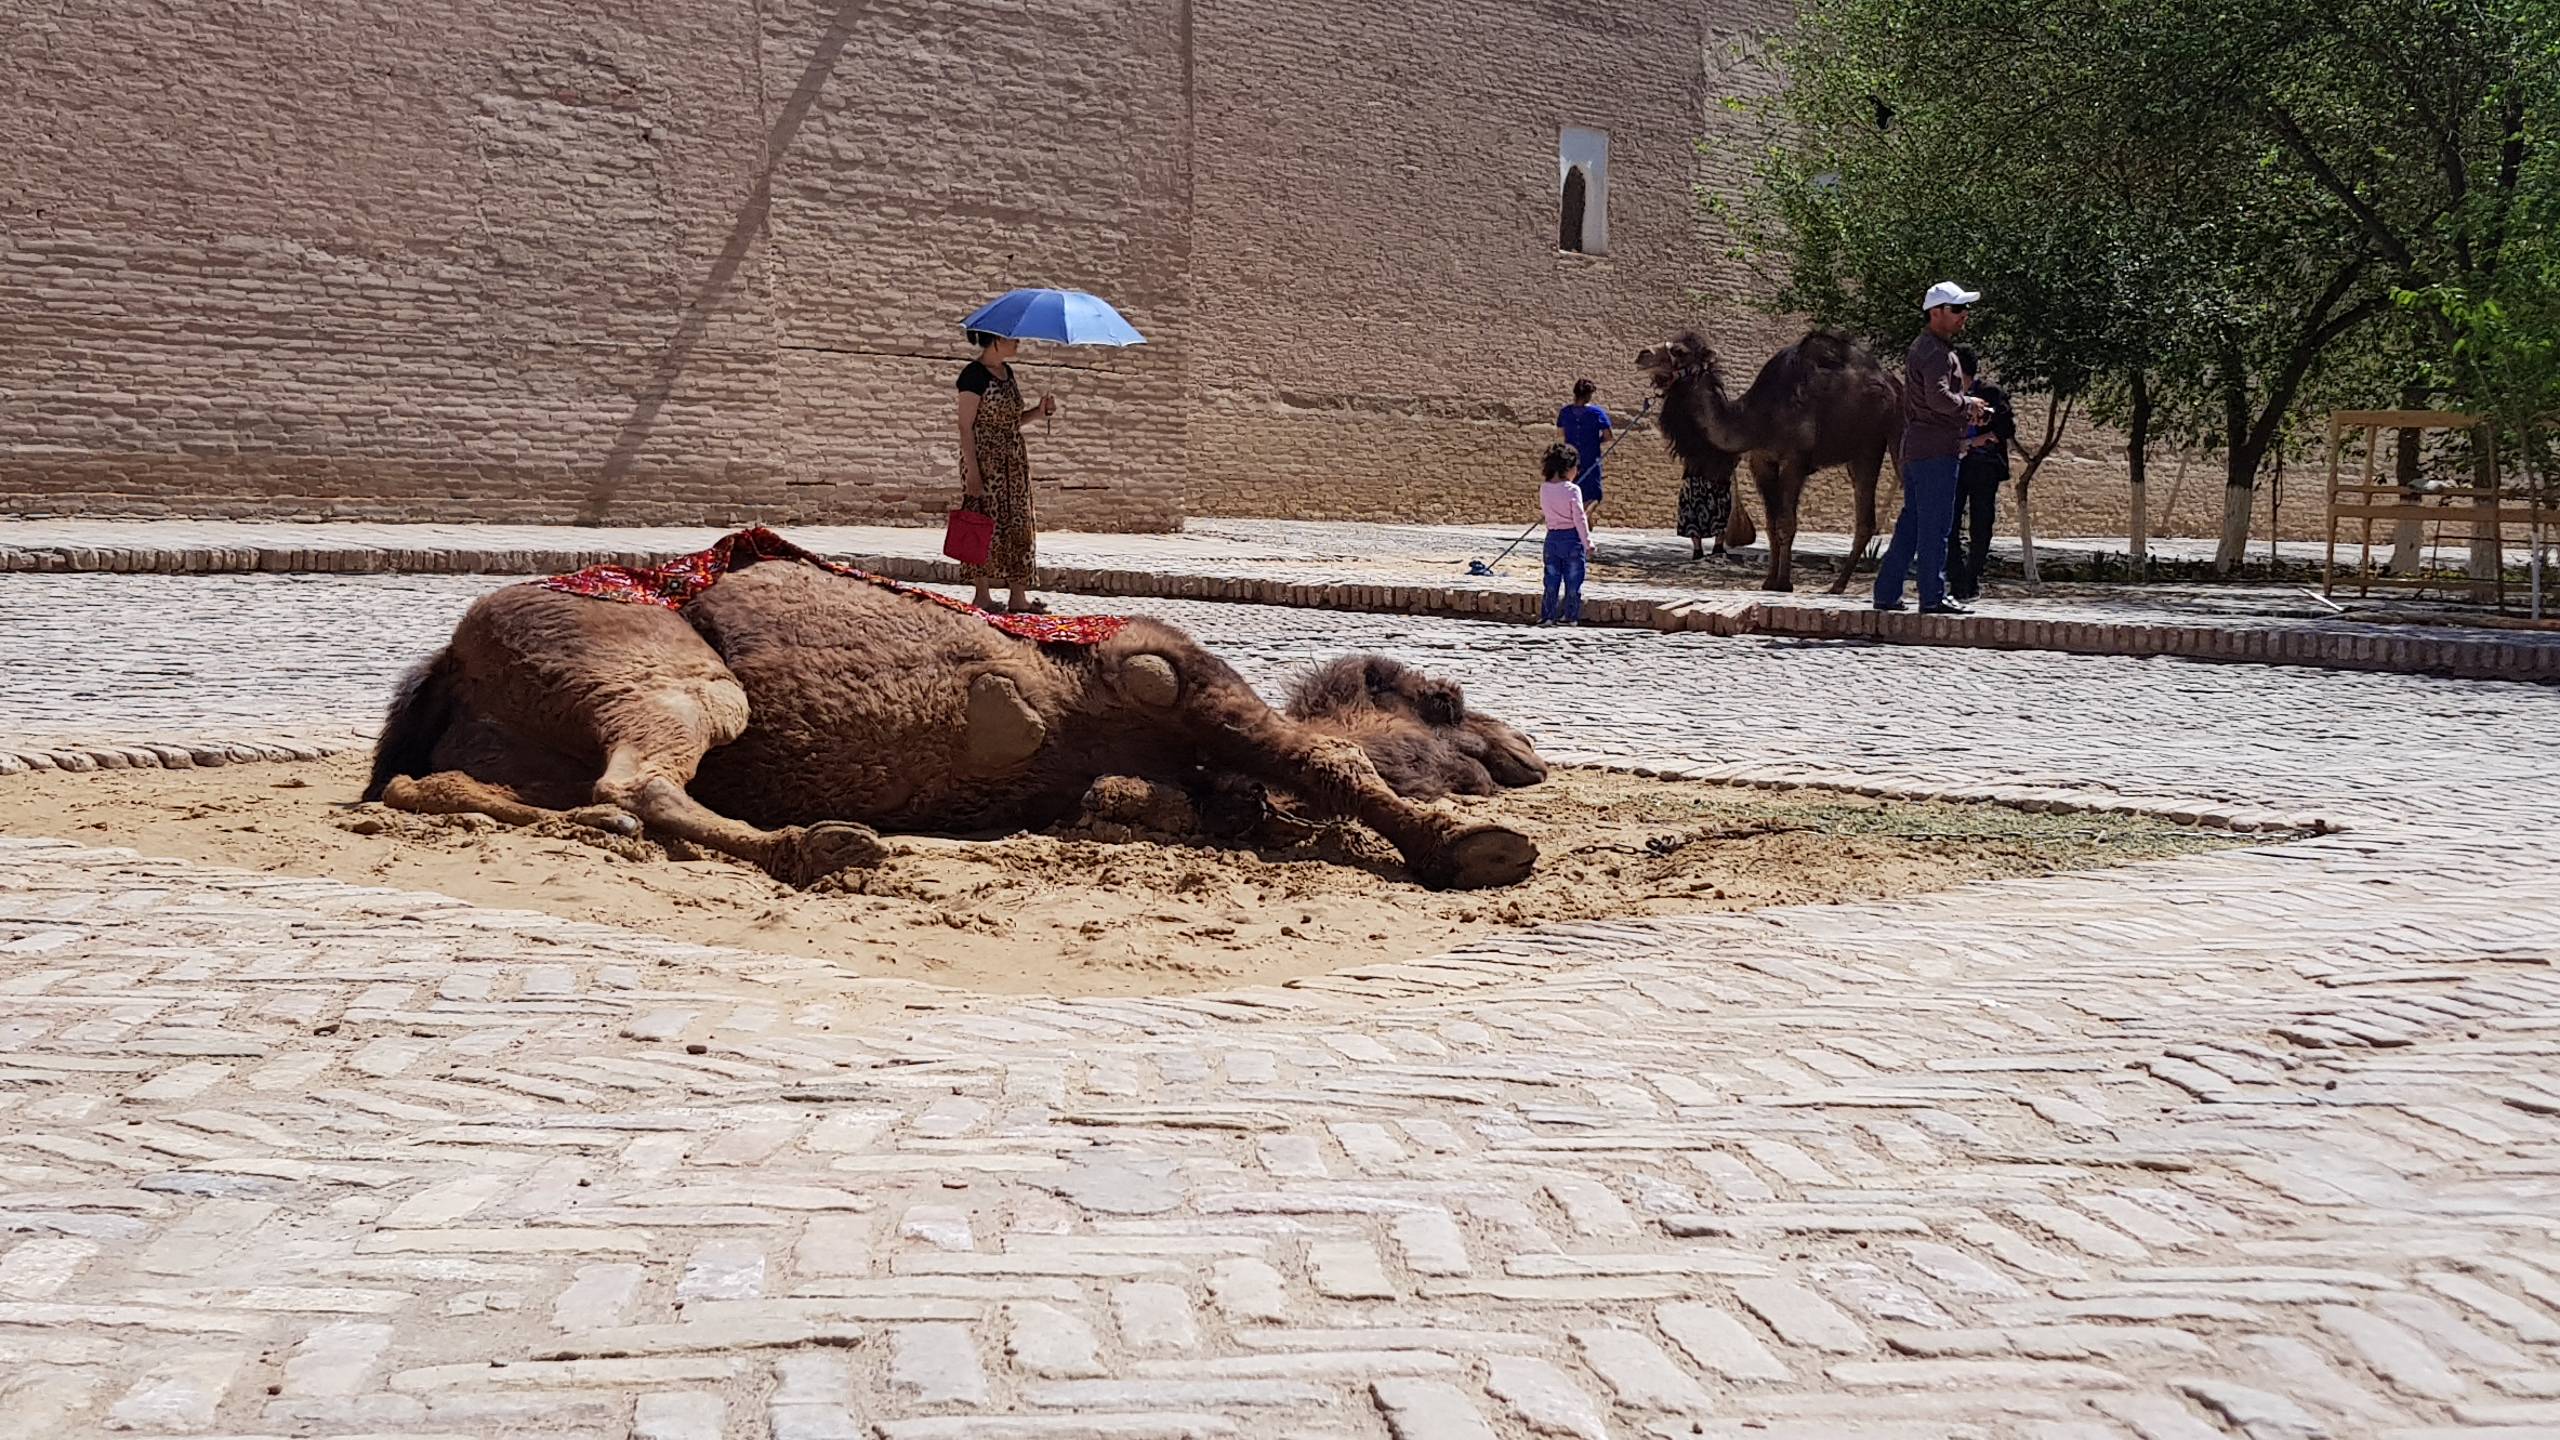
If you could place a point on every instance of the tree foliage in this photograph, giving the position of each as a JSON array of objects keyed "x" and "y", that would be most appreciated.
[{"x": 2198, "y": 214}]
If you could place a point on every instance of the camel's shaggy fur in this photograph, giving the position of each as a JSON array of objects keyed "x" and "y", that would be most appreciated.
[
  {"x": 786, "y": 712},
  {"x": 1820, "y": 402},
  {"x": 1416, "y": 728}
]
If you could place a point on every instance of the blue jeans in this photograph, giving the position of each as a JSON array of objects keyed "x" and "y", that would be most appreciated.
[
  {"x": 1588, "y": 482},
  {"x": 1928, "y": 513},
  {"x": 1564, "y": 574}
]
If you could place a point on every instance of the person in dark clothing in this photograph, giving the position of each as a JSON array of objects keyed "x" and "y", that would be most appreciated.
[
  {"x": 1980, "y": 472},
  {"x": 1586, "y": 427},
  {"x": 1936, "y": 414}
]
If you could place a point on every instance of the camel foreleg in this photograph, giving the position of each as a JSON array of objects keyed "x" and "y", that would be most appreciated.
[
  {"x": 452, "y": 792},
  {"x": 1199, "y": 698}
]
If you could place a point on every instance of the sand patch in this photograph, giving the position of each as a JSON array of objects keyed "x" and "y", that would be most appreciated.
[{"x": 1066, "y": 914}]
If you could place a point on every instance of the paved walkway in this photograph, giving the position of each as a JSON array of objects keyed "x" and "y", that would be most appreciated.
[
  {"x": 2260, "y": 1143},
  {"x": 1395, "y": 569}
]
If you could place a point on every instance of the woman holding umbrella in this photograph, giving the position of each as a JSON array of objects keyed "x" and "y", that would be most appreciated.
[{"x": 995, "y": 471}]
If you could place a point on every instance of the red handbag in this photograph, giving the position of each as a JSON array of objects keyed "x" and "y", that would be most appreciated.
[{"x": 969, "y": 536}]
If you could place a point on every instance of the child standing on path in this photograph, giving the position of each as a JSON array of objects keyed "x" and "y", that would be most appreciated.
[{"x": 1568, "y": 537}]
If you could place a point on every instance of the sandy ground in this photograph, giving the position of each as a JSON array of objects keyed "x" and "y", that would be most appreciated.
[{"x": 1070, "y": 915}]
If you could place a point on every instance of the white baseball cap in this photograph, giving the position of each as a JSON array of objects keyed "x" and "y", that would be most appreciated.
[{"x": 1948, "y": 292}]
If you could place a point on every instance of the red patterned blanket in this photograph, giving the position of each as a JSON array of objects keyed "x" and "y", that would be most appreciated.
[{"x": 681, "y": 579}]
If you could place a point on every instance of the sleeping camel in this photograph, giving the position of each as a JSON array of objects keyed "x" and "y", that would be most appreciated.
[{"x": 793, "y": 710}]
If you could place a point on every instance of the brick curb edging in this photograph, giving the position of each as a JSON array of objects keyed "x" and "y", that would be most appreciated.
[
  {"x": 19, "y": 757},
  {"x": 2043, "y": 799},
  {"x": 2360, "y": 648}
]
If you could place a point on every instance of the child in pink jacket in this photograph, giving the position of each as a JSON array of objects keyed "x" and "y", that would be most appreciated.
[{"x": 1568, "y": 537}]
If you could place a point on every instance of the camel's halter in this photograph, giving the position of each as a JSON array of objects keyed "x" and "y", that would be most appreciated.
[{"x": 1482, "y": 567}]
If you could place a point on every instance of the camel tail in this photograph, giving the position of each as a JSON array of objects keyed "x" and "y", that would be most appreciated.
[{"x": 420, "y": 710}]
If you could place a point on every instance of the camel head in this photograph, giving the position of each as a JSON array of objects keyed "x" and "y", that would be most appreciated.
[
  {"x": 1697, "y": 419},
  {"x": 1682, "y": 358},
  {"x": 1377, "y": 682}
]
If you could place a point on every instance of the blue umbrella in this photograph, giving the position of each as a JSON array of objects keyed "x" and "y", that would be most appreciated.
[{"x": 1061, "y": 317}]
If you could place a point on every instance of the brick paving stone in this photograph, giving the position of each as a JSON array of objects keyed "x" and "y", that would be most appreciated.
[
  {"x": 2254, "y": 1142},
  {"x": 1544, "y": 1397},
  {"x": 1429, "y": 1410},
  {"x": 1638, "y": 1372},
  {"x": 679, "y": 1415}
]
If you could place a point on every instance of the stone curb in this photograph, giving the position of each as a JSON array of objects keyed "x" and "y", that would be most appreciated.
[
  {"x": 2334, "y": 648},
  {"x": 2043, "y": 799},
  {"x": 157, "y": 755}
]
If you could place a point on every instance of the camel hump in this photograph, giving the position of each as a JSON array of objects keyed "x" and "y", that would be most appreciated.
[{"x": 1827, "y": 350}]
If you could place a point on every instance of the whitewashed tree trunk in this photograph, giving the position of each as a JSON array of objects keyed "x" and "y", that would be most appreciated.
[
  {"x": 2234, "y": 546},
  {"x": 2407, "y": 535},
  {"x": 2488, "y": 541}
]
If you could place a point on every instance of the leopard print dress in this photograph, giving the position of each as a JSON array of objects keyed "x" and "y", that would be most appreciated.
[
  {"x": 1706, "y": 507},
  {"x": 1006, "y": 468}
]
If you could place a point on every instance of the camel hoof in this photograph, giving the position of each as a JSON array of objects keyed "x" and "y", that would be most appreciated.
[
  {"x": 818, "y": 851},
  {"x": 1783, "y": 587},
  {"x": 1003, "y": 728},
  {"x": 1141, "y": 804},
  {"x": 1482, "y": 857},
  {"x": 611, "y": 819},
  {"x": 1150, "y": 680}
]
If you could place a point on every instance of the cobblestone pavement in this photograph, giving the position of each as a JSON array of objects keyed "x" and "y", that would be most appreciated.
[
  {"x": 1386, "y": 569},
  {"x": 1305, "y": 552},
  {"x": 2260, "y": 1143}
]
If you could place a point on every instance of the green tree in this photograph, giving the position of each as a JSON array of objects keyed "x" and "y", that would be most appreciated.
[
  {"x": 2183, "y": 210},
  {"x": 2501, "y": 316}
]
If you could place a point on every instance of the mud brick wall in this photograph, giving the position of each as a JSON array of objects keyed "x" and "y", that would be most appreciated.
[
  {"x": 516, "y": 259},
  {"x": 1388, "y": 327},
  {"x": 524, "y": 260}
]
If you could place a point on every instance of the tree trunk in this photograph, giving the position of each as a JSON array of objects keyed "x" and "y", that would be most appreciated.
[
  {"x": 2407, "y": 534},
  {"x": 2026, "y": 534},
  {"x": 2057, "y": 417},
  {"x": 2540, "y": 501},
  {"x": 2240, "y": 475},
  {"x": 2177, "y": 485},
  {"x": 2239, "y": 506},
  {"x": 2136, "y": 447},
  {"x": 2236, "y": 502},
  {"x": 2488, "y": 541}
]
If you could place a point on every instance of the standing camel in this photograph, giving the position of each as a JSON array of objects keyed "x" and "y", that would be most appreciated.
[{"x": 1820, "y": 402}]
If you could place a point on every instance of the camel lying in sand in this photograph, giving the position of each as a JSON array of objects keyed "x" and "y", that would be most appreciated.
[{"x": 786, "y": 715}]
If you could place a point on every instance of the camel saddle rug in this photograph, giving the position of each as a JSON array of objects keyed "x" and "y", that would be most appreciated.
[{"x": 679, "y": 580}]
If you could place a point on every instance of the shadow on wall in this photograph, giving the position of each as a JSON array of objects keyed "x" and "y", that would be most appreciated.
[{"x": 742, "y": 237}]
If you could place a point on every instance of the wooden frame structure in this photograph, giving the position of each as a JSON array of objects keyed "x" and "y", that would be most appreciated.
[{"x": 2480, "y": 513}]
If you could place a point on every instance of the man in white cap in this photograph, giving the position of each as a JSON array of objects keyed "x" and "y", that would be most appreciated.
[{"x": 1935, "y": 411}]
